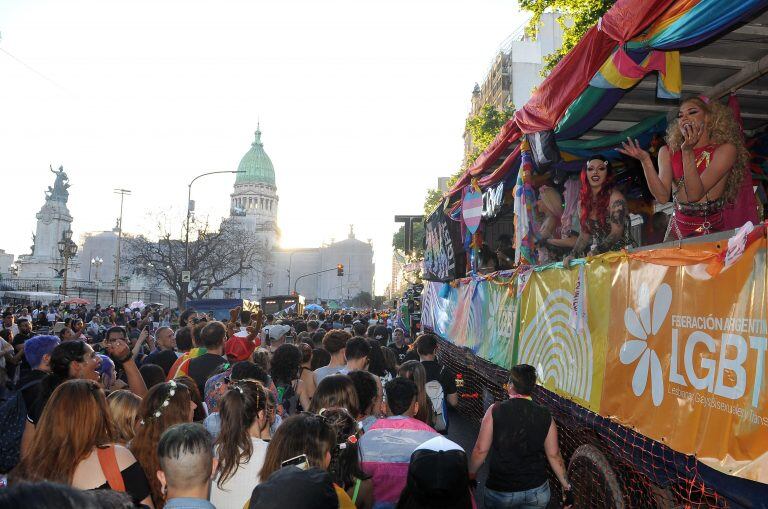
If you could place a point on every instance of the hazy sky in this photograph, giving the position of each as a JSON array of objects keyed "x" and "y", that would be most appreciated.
[{"x": 362, "y": 106}]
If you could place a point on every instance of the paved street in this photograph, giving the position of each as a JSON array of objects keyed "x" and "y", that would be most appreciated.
[{"x": 464, "y": 432}]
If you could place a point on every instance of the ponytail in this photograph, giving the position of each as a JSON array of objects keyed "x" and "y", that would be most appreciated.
[
  {"x": 345, "y": 457},
  {"x": 239, "y": 409}
]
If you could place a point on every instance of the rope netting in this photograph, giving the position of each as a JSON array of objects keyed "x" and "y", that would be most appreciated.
[{"x": 609, "y": 465}]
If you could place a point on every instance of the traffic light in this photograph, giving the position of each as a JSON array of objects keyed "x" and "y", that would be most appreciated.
[{"x": 340, "y": 270}]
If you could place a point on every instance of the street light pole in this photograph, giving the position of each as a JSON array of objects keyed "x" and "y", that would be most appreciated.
[
  {"x": 95, "y": 261},
  {"x": 290, "y": 264},
  {"x": 408, "y": 227},
  {"x": 122, "y": 193},
  {"x": 189, "y": 213},
  {"x": 67, "y": 249},
  {"x": 296, "y": 283}
]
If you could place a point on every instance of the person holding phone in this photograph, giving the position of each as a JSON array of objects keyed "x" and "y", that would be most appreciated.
[
  {"x": 703, "y": 169},
  {"x": 304, "y": 442}
]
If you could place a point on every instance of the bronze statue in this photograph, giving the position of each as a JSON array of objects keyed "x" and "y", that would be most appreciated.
[{"x": 59, "y": 191}]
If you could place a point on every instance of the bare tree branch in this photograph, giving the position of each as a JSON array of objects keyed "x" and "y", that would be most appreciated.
[{"x": 215, "y": 258}]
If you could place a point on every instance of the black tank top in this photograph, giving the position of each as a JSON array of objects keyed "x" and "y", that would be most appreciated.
[{"x": 517, "y": 458}]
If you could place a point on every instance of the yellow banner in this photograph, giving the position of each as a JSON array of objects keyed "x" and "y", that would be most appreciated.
[
  {"x": 686, "y": 359},
  {"x": 562, "y": 336}
]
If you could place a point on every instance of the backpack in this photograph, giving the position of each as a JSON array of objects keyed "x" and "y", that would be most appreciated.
[
  {"x": 287, "y": 400},
  {"x": 436, "y": 395},
  {"x": 13, "y": 416}
]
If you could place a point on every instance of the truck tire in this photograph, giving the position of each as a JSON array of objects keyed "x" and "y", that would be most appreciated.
[{"x": 594, "y": 481}]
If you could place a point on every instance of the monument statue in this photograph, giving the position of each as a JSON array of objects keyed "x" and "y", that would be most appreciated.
[
  {"x": 52, "y": 220},
  {"x": 59, "y": 191}
]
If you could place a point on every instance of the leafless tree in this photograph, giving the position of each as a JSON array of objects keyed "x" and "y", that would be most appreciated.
[{"x": 215, "y": 258}]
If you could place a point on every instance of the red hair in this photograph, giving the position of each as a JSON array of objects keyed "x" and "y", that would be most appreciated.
[{"x": 599, "y": 203}]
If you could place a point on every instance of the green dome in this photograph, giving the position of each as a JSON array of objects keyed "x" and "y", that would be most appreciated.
[{"x": 256, "y": 165}]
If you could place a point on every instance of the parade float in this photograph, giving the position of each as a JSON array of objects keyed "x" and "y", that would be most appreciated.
[{"x": 652, "y": 360}]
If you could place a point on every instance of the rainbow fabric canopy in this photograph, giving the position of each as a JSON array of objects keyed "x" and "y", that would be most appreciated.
[{"x": 633, "y": 39}]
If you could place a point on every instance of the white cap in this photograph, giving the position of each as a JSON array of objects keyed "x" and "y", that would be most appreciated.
[
  {"x": 440, "y": 443},
  {"x": 276, "y": 331}
]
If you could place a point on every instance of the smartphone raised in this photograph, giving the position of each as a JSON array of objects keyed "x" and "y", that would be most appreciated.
[{"x": 300, "y": 461}]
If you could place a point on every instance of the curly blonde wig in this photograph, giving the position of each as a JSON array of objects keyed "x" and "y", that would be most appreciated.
[{"x": 722, "y": 128}]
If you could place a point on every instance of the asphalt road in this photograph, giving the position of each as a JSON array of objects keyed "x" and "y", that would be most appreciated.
[{"x": 464, "y": 432}]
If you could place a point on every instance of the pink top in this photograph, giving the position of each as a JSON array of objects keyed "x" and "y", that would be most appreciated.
[
  {"x": 744, "y": 206},
  {"x": 703, "y": 156}
]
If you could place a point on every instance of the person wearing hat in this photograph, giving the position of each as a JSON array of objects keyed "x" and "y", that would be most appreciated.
[
  {"x": 274, "y": 335},
  {"x": 38, "y": 354},
  {"x": 242, "y": 343},
  {"x": 521, "y": 437},
  {"x": 438, "y": 477}
]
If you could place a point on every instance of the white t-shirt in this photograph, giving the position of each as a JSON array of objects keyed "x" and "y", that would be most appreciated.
[
  {"x": 325, "y": 371},
  {"x": 237, "y": 490},
  {"x": 51, "y": 317}
]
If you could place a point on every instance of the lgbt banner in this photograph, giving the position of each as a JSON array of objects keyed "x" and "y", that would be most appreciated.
[{"x": 670, "y": 342}]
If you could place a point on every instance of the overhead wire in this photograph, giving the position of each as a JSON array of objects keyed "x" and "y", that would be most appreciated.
[{"x": 29, "y": 67}]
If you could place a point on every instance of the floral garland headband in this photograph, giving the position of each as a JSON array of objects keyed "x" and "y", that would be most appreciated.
[{"x": 167, "y": 401}]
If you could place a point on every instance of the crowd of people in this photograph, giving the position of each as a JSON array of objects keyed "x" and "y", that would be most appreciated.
[{"x": 181, "y": 411}]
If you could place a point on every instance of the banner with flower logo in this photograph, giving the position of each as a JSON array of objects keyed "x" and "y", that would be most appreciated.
[
  {"x": 670, "y": 342},
  {"x": 686, "y": 359}
]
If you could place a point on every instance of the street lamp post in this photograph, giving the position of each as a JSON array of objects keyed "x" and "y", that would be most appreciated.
[
  {"x": 409, "y": 223},
  {"x": 190, "y": 208},
  {"x": 338, "y": 268},
  {"x": 290, "y": 264},
  {"x": 97, "y": 261},
  {"x": 67, "y": 250},
  {"x": 122, "y": 193}
]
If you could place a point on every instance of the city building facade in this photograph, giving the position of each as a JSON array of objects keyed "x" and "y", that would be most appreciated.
[
  {"x": 253, "y": 206},
  {"x": 309, "y": 271},
  {"x": 516, "y": 69}
]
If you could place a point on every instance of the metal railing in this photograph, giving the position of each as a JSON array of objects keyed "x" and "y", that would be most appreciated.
[{"x": 91, "y": 290}]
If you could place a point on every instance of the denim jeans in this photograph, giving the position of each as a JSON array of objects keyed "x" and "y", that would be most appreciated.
[{"x": 529, "y": 499}]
